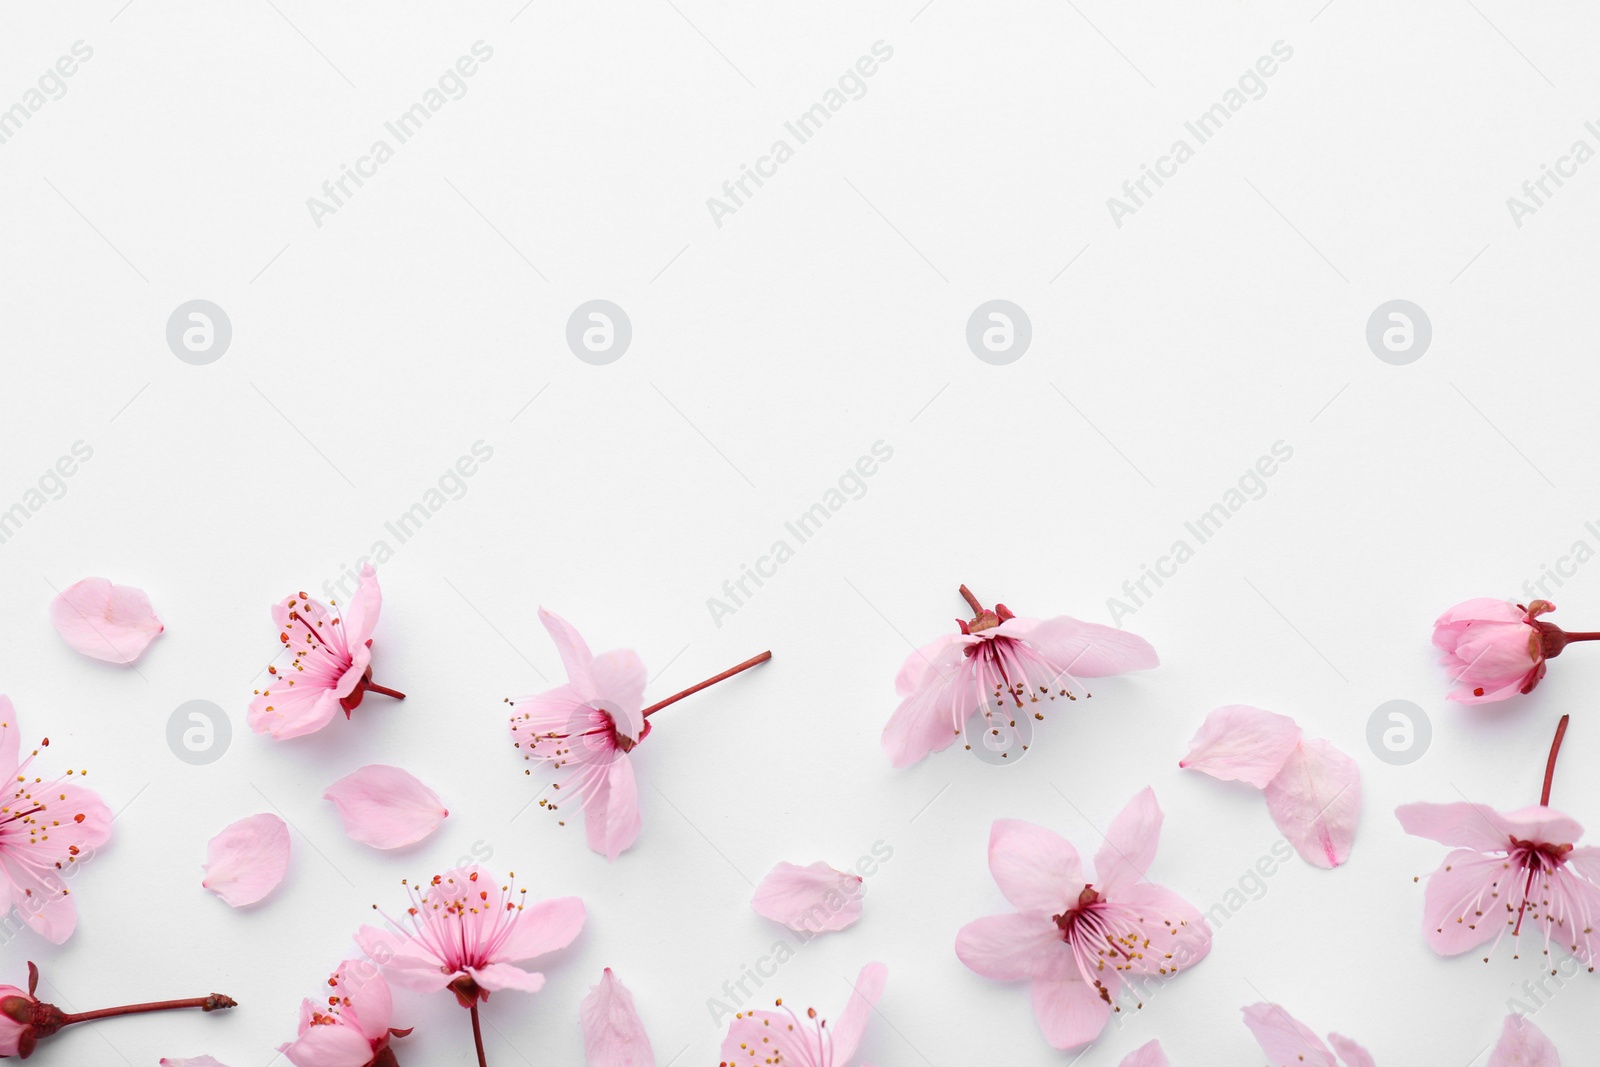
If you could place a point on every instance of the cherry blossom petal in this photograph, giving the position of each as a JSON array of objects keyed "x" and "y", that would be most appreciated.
[
  {"x": 1540, "y": 823},
  {"x": 617, "y": 680},
  {"x": 403, "y": 962},
  {"x": 371, "y": 1004},
  {"x": 924, "y": 722},
  {"x": 193, "y": 1061},
  {"x": 497, "y": 976},
  {"x": 328, "y": 1046},
  {"x": 1523, "y": 1044},
  {"x": 1478, "y": 609},
  {"x": 611, "y": 817},
  {"x": 247, "y": 860},
  {"x": 1462, "y": 908},
  {"x": 1287, "y": 1042},
  {"x": 386, "y": 807},
  {"x": 1351, "y": 1053},
  {"x": 575, "y": 654},
  {"x": 852, "y": 1022},
  {"x": 930, "y": 660},
  {"x": 613, "y": 1035},
  {"x": 1072, "y": 1012},
  {"x": 42, "y": 899},
  {"x": 1037, "y": 870},
  {"x": 1147, "y": 1055},
  {"x": 1316, "y": 801},
  {"x": 10, "y": 739},
  {"x": 1011, "y": 946},
  {"x": 544, "y": 927},
  {"x": 1458, "y": 824},
  {"x": 1161, "y": 932},
  {"x": 1086, "y": 649},
  {"x": 1238, "y": 743},
  {"x": 1130, "y": 845},
  {"x": 360, "y": 616},
  {"x": 285, "y": 710},
  {"x": 114, "y": 623},
  {"x": 814, "y": 898}
]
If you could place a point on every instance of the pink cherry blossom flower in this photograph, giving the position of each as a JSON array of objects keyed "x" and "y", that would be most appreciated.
[
  {"x": 1001, "y": 665},
  {"x": 25, "y": 1020},
  {"x": 1290, "y": 1043},
  {"x": 587, "y": 730},
  {"x": 45, "y": 826},
  {"x": 613, "y": 1034},
  {"x": 760, "y": 1038},
  {"x": 1496, "y": 649},
  {"x": 1074, "y": 939},
  {"x": 108, "y": 622},
  {"x": 1507, "y": 870},
  {"x": 466, "y": 932},
  {"x": 350, "y": 1028},
  {"x": 330, "y": 667}
]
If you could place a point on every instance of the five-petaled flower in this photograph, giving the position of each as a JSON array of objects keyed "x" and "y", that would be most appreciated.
[{"x": 350, "y": 1028}]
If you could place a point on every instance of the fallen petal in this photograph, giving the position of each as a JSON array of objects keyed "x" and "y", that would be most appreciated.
[
  {"x": 1238, "y": 743},
  {"x": 197, "y": 1061},
  {"x": 1523, "y": 1044},
  {"x": 247, "y": 860},
  {"x": 386, "y": 807},
  {"x": 1286, "y": 1041},
  {"x": 1147, "y": 1055},
  {"x": 814, "y": 898},
  {"x": 1351, "y": 1053},
  {"x": 108, "y": 622},
  {"x": 613, "y": 1036},
  {"x": 1316, "y": 801}
]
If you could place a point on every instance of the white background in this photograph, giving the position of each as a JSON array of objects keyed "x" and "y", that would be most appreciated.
[{"x": 828, "y": 313}]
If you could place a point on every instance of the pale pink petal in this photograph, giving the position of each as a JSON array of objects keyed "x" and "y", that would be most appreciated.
[
  {"x": 611, "y": 817},
  {"x": 852, "y": 1022},
  {"x": 814, "y": 898},
  {"x": 1482, "y": 609},
  {"x": 360, "y": 616},
  {"x": 1585, "y": 859},
  {"x": 1147, "y": 1055},
  {"x": 1171, "y": 932},
  {"x": 247, "y": 860},
  {"x": 1287, "y": 1042},
  {"x": 613, "y": 1035},
  {"x": 1012, "y": 946},
  {"x": 1459, "y": 824},
  {"x": 1462, "y": 907},
  {"x": 575, "y": 654},
  {"x": 1072, "y": 1012},
  {"x": 1129, "y": 846},
  {"x": 1086, "y": 649},
  {"x": 1540, "y": 823},
  {"x": 371, "y": 1005},
  {"x": 108, "y": 622},
  {"x": 10, "y": 738},
  {"x": 1351, "y": 1053},
  {"x": 193, "y": 1061},
  {"x": 506, "y": 976},
  {"x": 929, "y": 661},
  {"x": 1238, "y": 743},
  {"x": 544, "y": 927},
  {"x": 1316, "y": 801},
  {"x": 616, "y": 686},
  {"x": 42, "y": 899},
  {"x": 328, "y": 1046},
  {"x": 386, "y": 807},
  {"x": 923, "y": 722},
  {"x": 1037, "y": 870},
  {"x": 769, "y": 1038},
  {"x": 1523, "y": 1044},
  {"x": 403, "y": 962},
  {"x": 284, "y": 711}
]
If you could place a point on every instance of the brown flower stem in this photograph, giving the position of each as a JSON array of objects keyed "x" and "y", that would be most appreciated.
[
  {"x": 713, "y": 680},
  {"x": 386, "y": 691},
  {"x": 477, "y": 1038},
  {"x": 972, "y": 601},
  {"x": 1550, "y": 765},
  {"x": 214, "y": 1002}
]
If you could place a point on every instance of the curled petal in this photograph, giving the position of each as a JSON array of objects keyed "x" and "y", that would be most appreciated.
[
  {"x": 1523, "y": 1044},
  {"x": 814, "y": 898},
  {"x": 1286, "y": 1041},
  {"x": 247, "y": 860},
  {"x": 1316, "y": 801},
  {"x": 386, "y": 807},
  {"x": 108, "y": 622},
  {"x": 852, "y": 1023},
  {"x": 613, "y": 1035},
  {"x": 360, "y": 616},
  {"x": 1238, "y": 743}
]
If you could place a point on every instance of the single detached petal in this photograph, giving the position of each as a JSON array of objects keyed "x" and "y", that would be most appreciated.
[
  {"x": 1238, "y": 743},
  {"x": 1316, "y": 801},
  {"x": 1351, "y": 1053},
  {"x": 1072, "y": 1012},
  {"x": 386, "y": 807},
  {"x": 1088, "y": 649},
  {"x": 1037, "y": 870},
  {"x": 1287, "y": 1042},
  {"x": 247, "y": 860},
  {"x": 1523, "y": 1044},
  {"x": 814, "y": 898},
  {"x": 852, "y": 1022},
  {"x": 1147, "y": 1055},
  {"x": 613, "y": 1036},
  {"x": 1130, "y": 845},
  {"x": 109, "y": 622}
]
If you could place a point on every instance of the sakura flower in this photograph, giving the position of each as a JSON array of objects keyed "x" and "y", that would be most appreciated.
[
  {"x": 330, "y": 668},
  {"x": 1496, "y": 649},
  {"x": 586, "y": 731},
  {"x": 613, "y": 1035},
  {"x": 25, "y": 1019},
  {"x": 108, "y": 622},
  {"x": 1001, "y": 665},
  {"x": 351, "y": 1027},
  {"x": 1290, "y": 1043},
  {"x": 465, "y": 932},
  {"x": 1507, "y": 870},
  {"x": 45, "y": 826},
  {"x": 811, "y": 899},
  {"x": 1072, "y": 938},
  {"x": 760, "y": 1038}
]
